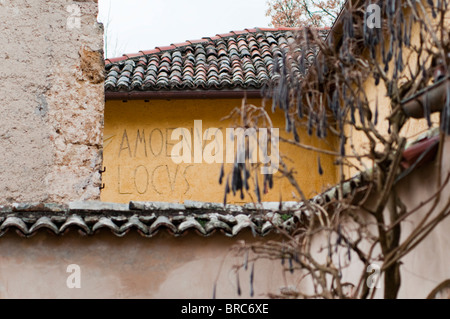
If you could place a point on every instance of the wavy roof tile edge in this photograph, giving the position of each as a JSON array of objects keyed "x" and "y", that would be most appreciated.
[{"x": 148, "y": 218}]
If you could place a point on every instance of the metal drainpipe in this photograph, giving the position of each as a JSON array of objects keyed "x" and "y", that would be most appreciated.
[{"x": 434, "y": 95}]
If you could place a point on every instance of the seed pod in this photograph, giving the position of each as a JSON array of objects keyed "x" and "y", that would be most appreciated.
[
  {"x": 299, "y": 103},
  {"x": 227, "y": 190},
  {"x": 342, "y": 145},
  {"x": 221, "y": 174},
  {"x": 375, "y": 120},
  {"x": 238, "y": 284},
  {"x": 433, "y": 12},
  {"x": 257, "y": 190},
  {"x": 291, "y": 267},
  {"x": 296, "y": 136},
  {"x": 361, "y": 112},
  {"x": 319, "y": 166},
  {"x": 251, "y": 280},
  {"x": 310, "y": 123},
  {"x": 270, "y": 181},
  {"x": 324, "y": 124},
  {"x": 246, "y": 260},
  {"x": 352, "y": 113}
]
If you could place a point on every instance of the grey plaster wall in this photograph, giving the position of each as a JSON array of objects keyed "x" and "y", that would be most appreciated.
[{"x": 51, "y": 100}]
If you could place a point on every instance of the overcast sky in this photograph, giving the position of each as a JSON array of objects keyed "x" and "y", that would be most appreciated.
[{"x": 144, "y": 24}]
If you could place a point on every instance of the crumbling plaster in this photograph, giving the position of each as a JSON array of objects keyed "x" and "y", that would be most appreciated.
[{"x": 51, "y": 100}]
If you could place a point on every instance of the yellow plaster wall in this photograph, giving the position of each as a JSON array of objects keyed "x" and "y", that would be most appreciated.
[
  {"x": 138, "y": 144},
  {"x": 358, "y": 143}
]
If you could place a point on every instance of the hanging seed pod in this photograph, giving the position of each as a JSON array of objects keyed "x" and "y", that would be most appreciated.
[
  {"x": 335, "y": 103},
  {"x": 291, "y": 266},
  {"x": 302, "y": 63},
  {"x": 319, "y": 166},
  {"x": 238, "y": 284},
  {"x": 352, "y": 113},
  {"x": 377, "y": 77},
  {"x": 375, "y": 120},
  {"x": 433, "y": 11},
  {"x": 339, "y": 238},
  {"x": 246, "y": 260},
  {"x": 288, "y": 127},
  {"x": 265, "y": 184},
  {"x": 349, "y": 252},
  {"x": 234, "y": 178},
  {"x": 391, "y": 50},
  {"x": 310, "y": 123},
  {"x": 318, "y": 128},
  {"x": 257, "y": 190},
  {"x": 251, "y": 280},
  {"x": 339, "y": 267},
  {"x": 274, "y": 100},
  {"x": 299, "y": 103},
  {"x": 227, "y": 191},
  {"x": 246, "y": 177},
  {"x": 361, "y": 113},
  {"x": 366, "y": 31},
  {"x": 400, "y": 61},
  {"x": 296, "y": 136},
  {"x": 221, "y": 174},
  {"x": 342, "y": 145},
  {"x": 270, "y": 176},
  {"x": 407, "y": 33},
  {"x": 324, "y": 124}
]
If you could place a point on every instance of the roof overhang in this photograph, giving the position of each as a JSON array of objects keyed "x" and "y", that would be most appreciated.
[{"x": 187, "y": 94}]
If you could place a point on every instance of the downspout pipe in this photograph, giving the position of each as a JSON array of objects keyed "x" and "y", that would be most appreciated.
[{"x": 434, "y": 96}]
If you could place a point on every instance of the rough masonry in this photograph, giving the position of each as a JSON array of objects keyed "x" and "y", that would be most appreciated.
[{"x": 51, "y": 100}]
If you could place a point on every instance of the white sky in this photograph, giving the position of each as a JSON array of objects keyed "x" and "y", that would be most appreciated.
[{"x": 144, "y": 24}]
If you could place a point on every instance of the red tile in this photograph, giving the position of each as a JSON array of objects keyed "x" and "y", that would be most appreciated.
[
  {"x": 147, "y": 52},
  {"x": 212, "y": 38},
  {"x": 166, "y": 48},
  {"x": 197, "y": 41},
  {"x": 118, "y": 59},
  {"x": 132, "y": 55},
  {"x": 239, "y": 32},
  {"x": 267, "y": 29},
  {"x": 194, "y": 70},
  {"x": 288, "y": 29},
  {"x": 225, "y": 35},
  {"x": 182, "y": 44}
]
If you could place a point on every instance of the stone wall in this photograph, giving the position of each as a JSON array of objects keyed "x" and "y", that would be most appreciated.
[{"x": 51, "y": 100}]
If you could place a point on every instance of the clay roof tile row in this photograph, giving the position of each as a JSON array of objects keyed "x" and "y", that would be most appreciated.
[{"x": 238, "y": 59}]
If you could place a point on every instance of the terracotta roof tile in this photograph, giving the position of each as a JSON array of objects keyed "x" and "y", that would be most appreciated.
[
  {"x": 149, "y": 218},
  {"x": 238, "y": 59}
]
